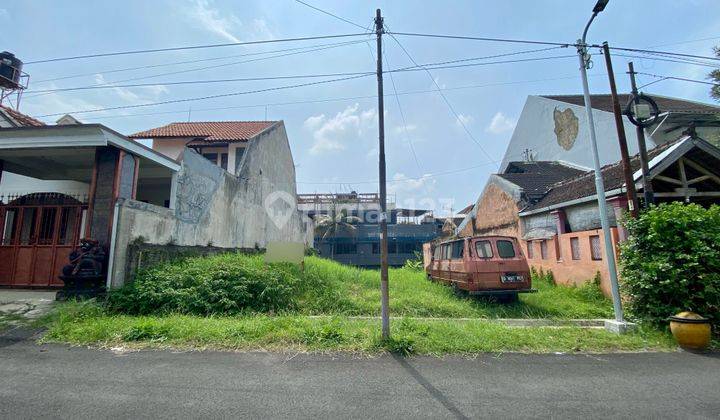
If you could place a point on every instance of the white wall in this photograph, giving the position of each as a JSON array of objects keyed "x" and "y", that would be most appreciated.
[{"x": 536, "y": 131}]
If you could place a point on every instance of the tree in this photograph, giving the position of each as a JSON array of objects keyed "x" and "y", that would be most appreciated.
[
  {"x": 328, "y": 225},
  {"x": 715, "y": 76}
]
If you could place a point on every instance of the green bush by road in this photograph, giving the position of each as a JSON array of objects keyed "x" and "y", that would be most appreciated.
[{"x": 671, "y": 262}]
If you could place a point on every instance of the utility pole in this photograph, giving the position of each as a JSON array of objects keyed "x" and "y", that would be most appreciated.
[
  {"x": 627, "y": 171},
  {"x": 384, "y": 294},
  {"x": 647, "y": 184},
  {"x": 584, "y": 58}
]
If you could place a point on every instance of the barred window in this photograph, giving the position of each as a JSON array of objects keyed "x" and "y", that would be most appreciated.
[
  {"x": 595, "y": 250},
  {"x": 543, "y": 249},
  {"x": 575, "y": 248}
]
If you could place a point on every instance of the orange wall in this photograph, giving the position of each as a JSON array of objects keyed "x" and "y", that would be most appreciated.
[{"x": 566, "y": 270}]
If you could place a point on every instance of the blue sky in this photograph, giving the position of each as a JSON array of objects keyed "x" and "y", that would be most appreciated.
[{"x": 334, "y": 142}]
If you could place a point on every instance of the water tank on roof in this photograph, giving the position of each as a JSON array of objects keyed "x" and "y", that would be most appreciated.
[{"x": 10, "y": 70}]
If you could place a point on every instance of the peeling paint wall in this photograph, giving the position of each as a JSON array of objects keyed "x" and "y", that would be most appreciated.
[
  {"x": 496, "y": 211},
  {"x": 216, "y": 208}
]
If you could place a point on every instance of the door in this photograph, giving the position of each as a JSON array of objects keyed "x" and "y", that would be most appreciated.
[{"x": 37, "y": 234}]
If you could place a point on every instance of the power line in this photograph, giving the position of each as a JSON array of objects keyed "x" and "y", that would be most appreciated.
[
  {"x": 206, "y": 97},
  {"x": 683, "y": 79},
  {"x": 669, "y": 60},
  {"x": 192, "y": 82},
  {"x": 447, "y": 102},
  {"x": 476, "y": 38},
  {"x": 402, "y": 116},
  {"x": 436, "y": 65},
  {"x": 330, "y": 14},
  {"x": 192, "y": 47},
  {"x": 150, "y": 66},
  {"x": 525, "y": 41},
  {"x": 111, "y": 83},
  {"x": 340, "y": 99}
]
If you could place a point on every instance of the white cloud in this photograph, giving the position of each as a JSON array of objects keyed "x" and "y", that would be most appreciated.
[
  {"x": 464, "y": 120},
  {"x": 129, "y": 95},
  {"x": 226, "y": 25},
  {"x": 401, "y": 183},
  {"x": 4, "y": 13},
  {"x": 400, "y": 129},
  {"x": 332, "y": 134},
  {"x": 500, "y": 124}
]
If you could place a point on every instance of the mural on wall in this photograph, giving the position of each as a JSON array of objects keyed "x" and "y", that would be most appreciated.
[{"x": 566, "y": 127}]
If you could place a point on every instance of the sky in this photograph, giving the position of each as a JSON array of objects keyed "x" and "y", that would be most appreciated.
[{"x": 441, "y": 148}]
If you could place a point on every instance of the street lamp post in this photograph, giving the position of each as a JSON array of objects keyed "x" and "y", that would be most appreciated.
[{"x": 618, "y": 325}]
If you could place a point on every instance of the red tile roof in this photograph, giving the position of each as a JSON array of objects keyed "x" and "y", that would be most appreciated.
[
  {"x": 20, "y": 118},
  {"x": 209, "y": 131}
]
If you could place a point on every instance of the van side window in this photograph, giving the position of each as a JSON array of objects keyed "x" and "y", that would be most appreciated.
[
  {"x": 483, "y": 249},
  {"x": 446, "y": 251},
  {"x": 505, "y": 249},
  {"x": 457, "y": 250}
]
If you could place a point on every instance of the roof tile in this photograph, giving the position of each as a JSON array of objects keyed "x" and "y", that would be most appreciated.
[
  {"x": 208, "y": 131},
  {"x": 22, "y": 119}
]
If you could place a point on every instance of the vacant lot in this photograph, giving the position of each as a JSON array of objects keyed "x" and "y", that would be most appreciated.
[{"x": 320, "y": 317}]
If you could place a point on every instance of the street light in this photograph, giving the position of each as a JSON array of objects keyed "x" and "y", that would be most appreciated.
[{"x": 619, "y": 324}]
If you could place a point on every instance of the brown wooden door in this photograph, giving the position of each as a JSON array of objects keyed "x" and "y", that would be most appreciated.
[{"x": 35, "y": 242}]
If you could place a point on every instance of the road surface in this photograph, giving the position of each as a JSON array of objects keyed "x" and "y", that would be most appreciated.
[{"x": 44, "y": 381}]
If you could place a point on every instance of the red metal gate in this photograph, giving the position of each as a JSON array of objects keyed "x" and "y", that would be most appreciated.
[{"x": 37, "y": 233}]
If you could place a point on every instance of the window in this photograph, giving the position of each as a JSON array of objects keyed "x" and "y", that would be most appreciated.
[
  {"x": 376, "y": 247},
  {"x": 345, "y": 249},
  {"x": 543, "y": 249},
  {"x": 212, "y": 157},
  {"x": 446, "y": 251},
  {"x": 595, "y": 251},
  {"x": 531, "y": 254},
  {"x": 408, "y": 247},
  {"x": 223, "y": 160},
  {"x": 505, "y": 249},
  {"x": 457, "y": 250},
  {"x": 10, "y": 228},
  {"x": 483, "y": 249},
  {"x": 575, "y": 248},
  {"x": 392, "y": 247},
  {"x": 436, "y": 253}
]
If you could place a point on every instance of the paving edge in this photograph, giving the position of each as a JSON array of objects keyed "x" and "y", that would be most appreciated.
[{"x": 510, "y": 322}]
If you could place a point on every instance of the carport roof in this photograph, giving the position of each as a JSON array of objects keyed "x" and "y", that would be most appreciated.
[{"x": 67, "y": 151}]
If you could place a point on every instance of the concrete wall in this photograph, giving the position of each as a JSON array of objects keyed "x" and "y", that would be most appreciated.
[
  {"x": 565, "y": 269},
  {"x": 174, "y": 147},
  {"x": 580, "y": 217},
  {"x": 213, "y": 207}
]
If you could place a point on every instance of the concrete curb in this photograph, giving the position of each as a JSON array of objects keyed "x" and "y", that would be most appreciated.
[{"x": 510, "y": 322}]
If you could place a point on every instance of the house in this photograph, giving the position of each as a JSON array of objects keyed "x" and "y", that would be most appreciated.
[
  {"x": 408, "y": 229},
  {"x": 221, "y": 142},
  {"x": 544, "y": 193},
  {"x": 132, "y": 195}
]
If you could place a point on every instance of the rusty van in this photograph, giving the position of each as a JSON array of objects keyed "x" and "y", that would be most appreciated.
[{"x": 481, "y": 265}]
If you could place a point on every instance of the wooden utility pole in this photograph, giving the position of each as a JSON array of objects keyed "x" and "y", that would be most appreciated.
[
  {"x": 647, "y": 184},
  {"x": 384, "y": 294},
  {"x": 627, "y": 170}
]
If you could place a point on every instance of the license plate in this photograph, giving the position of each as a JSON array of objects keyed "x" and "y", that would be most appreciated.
[{"x": 512, "y": 278}]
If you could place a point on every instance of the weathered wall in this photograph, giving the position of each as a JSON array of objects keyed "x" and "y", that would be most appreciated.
[
  {"x": 496, "y": 211},
  {"x": 216, "y": 208},
  {"x": 536, "y": 131},
  {"x": 580, "y": 217},
  {"x": 573, "y": 272}
]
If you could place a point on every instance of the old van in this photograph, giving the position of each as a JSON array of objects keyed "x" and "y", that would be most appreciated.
[{"x": 482, "y": 265}]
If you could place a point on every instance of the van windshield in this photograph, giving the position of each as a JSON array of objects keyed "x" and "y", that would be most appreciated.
[{"x": 505, "y": 249}]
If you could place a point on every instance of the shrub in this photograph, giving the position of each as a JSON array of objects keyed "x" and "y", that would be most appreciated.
[
  {"x": 416, "y": 263},
  {"x": 671, "y": 262},
  {"x": 221, "y": 284}
]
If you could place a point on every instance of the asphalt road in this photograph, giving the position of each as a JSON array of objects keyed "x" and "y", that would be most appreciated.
[{"x": 53, "y": 381}]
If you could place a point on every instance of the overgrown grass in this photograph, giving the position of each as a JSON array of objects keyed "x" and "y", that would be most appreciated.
[
  {"x": 332, "y": 288},
  {"x": 88, "y": 324}
]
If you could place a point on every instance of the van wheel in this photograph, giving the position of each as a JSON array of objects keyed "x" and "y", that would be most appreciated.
[
  {"x": 457, "y": 291},
  {"x": 507, "y": 298}
]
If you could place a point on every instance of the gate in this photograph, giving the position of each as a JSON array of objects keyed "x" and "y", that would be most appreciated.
[{"x": 37, "y": 233}]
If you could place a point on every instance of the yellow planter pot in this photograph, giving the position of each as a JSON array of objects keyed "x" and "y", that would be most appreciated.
[{"x": 690, "y": 330}]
